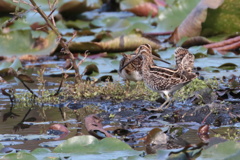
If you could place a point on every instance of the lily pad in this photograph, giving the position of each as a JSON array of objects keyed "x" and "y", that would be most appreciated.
[
  {"x": 119, "y": 44},
  {"x": 19, "y": 155},
  {"x": 89, "y": 144},
  {"x": 21, "y": 42},
  {"x": 224, "y": 19},
  {"x": 72, "y": 7},
  {"x": 228, "y": 66},
  {"x": 167, "y": 18},
  {"x": 226, "y": 150}
]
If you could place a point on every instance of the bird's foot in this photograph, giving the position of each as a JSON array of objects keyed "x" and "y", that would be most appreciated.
[{"x": 159, "y": 109}]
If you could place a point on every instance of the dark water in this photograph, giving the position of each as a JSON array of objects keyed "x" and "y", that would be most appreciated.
[{"x": 22, "y": 134}]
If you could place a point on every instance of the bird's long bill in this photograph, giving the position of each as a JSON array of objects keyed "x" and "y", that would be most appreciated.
[
  {"x": 132, "y": 59},
  {"x": 159, "y": 59}
]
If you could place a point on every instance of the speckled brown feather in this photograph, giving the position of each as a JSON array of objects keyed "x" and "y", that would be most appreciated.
[
  {"x": 184, "y": 59},
  {"x": 165, "y": 80}
]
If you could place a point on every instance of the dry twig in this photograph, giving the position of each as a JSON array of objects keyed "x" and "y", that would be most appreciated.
[{"x": 61, "y": 41}]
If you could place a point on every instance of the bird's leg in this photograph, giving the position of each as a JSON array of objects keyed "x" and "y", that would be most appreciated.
[
  {"x": 167, "y": 102},
  {"x": 164, "y": 105}
]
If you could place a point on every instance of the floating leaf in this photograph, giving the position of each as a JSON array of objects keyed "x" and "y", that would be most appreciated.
[
  {"x": 19, "y": 155},
  {"x": 119, "y": 44},
  {"x": 77, "y": 144},
  {"x": 21, "y": 42},
  {"x": 91, "y": 69},
  {"x": 191, "y": 25},
  {"x": 156, "y": 137},
  {"x": 71, "y": 7},
  {"x": 94, "y": 127},
  {"x": 6, "y": 7},
  {"x": 168, "y": 20},
  {"x": 226, "y": 150},
  {"x": 140, "y": 7},
  {"x": 89, "y": 144},
  {"x": 224, "y": 19},
  {"x": 228, "y": 66},
  {"x": 199, "y": 55},
  {"x": 41, "y": 151},
  {"x": 195, "y": 41}
]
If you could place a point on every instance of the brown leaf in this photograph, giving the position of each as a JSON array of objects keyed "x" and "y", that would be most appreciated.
[
  {"x": 156, "y": 136},
  {"x": 145, "y": 9},
  {"x": 90, "y": 69},
  {"x": 203, "y": 130},
  {"x": 118, "y": 44},
  {"x": 39, "y": 27},
  {"x": 61, "y": 128},
  {"x": 192, "y": 24},
  {"x": 94, "y": 127},
  {"x": 40, "y": 43},
  {"x": 6, "y": 7},
  {"x": 195, "y": 41}
]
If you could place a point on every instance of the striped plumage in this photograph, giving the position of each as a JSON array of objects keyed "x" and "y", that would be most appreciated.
[
  {"x": 161, "y": 79},
  {"x": 132, "y": 72},
  {"x": 184, "y": 59}
]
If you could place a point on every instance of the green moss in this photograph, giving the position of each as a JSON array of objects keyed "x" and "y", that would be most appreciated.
[
  {"x": 112, "y": 91},
  {"x": 195, "y": 87}
]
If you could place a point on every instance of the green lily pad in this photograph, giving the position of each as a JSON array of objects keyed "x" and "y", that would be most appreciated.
[
  {"x": 41, "y": 151},
  {"x": 78, "y": 24},
  {"x": 226, "y": 150},
  {"x": 200, "y": 55},
  {"x": 228, "y": 66},
  {"x": 21, "y": 42},
  {"x": 89, "y": 144},
  {"x": 19, "y": 155},
  {"x": 111, "y": 23},
  {"x": 124, "y": 26},
  {"x": 76, "y": 144},
  {"x": 168, "y": 20},
  {"x": 224, "y": 19}
]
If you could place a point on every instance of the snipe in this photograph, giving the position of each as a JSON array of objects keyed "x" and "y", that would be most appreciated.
[
  {"x": 161, "y": 79},
  {"x": 132, "y": 71},
  {"x": 184, "y": 59}
]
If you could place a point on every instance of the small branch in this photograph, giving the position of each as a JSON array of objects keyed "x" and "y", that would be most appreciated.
[
  {"x": 28, "y": 88},
  {"x": 61, "y": 41},
  {"x": 203, "y": 121},
  {"x": 61, "y": 83},
  {"x": 18, "y": 15}
]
